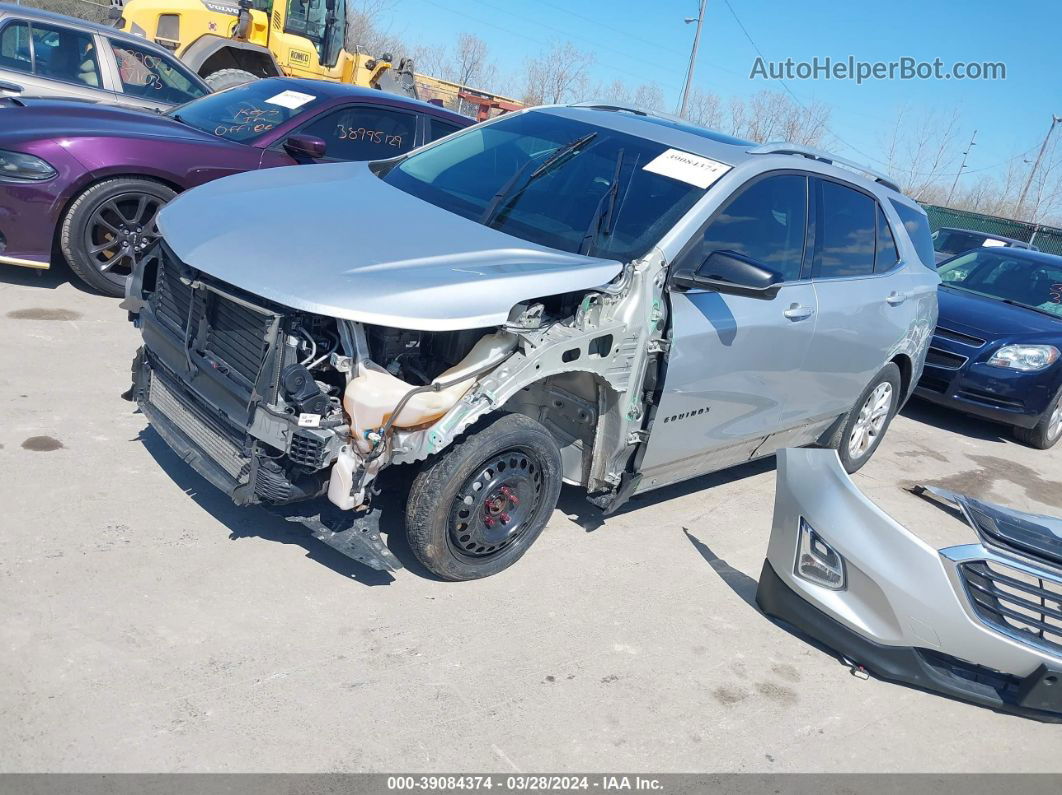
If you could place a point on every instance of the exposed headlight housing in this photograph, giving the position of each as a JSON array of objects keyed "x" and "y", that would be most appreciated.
[
  {"x": 18, "y": 166},
  {"x": 817, "y": 561},
  {"x": 1025, "y": 358}
]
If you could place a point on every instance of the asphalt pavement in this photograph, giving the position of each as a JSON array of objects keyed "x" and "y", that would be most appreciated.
[{"x": 147, "y": 624}]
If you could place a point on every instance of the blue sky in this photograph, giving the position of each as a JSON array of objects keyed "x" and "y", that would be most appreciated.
[{"x": 648, "y": 42}]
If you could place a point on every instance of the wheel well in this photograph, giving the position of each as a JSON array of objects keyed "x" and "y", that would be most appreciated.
[
  {"x": 903, "y": 361},
  {"x": 57, "y": 234},
  {"x": 571, "y": 406},
  {"x": 251, "y": 61}
]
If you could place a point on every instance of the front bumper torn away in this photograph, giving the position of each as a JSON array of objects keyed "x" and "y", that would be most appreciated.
[{"x": 980, "y": 622}]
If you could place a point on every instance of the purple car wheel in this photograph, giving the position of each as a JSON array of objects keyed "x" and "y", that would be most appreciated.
[{"x": 109, "y": 227}]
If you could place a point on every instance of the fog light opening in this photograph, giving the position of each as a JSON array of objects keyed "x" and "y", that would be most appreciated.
[{"x": 817, "y": 561}]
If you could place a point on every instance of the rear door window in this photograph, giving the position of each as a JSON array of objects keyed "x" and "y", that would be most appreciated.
[
  {"x": 148, "y": 75},
  {"x": 766, "y": 222},
  {"x": 63, "y": 54},
  {"x": 437, "y": 129},
  {"x": 15, "y": 52},
  {"x": 916, "y": 224},
  {"x": 886, "y": 256},
  {"x": 362, "y": 132},
  {"x": 845, "y": 232}
]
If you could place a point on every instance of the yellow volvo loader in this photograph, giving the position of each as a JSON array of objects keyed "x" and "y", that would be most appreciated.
[{"x": 228, "y": 42}]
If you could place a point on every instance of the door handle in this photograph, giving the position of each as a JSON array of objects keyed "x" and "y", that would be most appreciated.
[
  {"x": 895, "y": 299},
  {"x": 798, "y": 312}
]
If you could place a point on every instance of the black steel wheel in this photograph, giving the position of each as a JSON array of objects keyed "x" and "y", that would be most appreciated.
[
  {"x": 109, "y": 227},
  {"x": 496, "y": 503},
  {"x": 477, "y": 507}
]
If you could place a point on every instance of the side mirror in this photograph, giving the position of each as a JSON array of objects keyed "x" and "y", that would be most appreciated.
[
  {"x": 730, "y": 272},
  {"x": 305, "y": 146}
]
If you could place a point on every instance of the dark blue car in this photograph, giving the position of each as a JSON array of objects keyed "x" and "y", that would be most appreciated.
[{"x": 995, "y": 352}]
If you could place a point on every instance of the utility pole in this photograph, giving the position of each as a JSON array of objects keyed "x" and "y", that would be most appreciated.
[
  {"x": 699, "y": 19},
  {"x": 1043, "y": 148},
  {"x": 962, "y": 165}
]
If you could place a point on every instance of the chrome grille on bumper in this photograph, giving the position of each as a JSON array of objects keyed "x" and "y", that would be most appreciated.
[
  {"x": 1018, "y": 602},
  {"x": 222, "y": 451}
]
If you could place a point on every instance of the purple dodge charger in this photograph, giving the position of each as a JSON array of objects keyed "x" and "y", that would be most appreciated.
[{"x": 85, "y": 181}]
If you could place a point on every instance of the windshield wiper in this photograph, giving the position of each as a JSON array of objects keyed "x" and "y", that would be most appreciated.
[
  {"x": 558, "y": 155},
  {"x": 605, "y": 212},
  {"x": 1048, "y": 312}
]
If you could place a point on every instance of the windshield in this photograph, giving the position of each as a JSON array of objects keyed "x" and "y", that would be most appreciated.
[
  {"x": 322, "y": 22},
  {"x": 1037, "y": 285},
  {"x": 495, "y": 175},
  {"x": 245, "y": 112}
]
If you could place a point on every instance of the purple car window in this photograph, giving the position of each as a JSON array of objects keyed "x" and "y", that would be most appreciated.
[{"x": 364, "y": 133}]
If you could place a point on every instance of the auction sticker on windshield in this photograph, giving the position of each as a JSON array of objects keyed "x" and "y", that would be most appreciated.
[
  {"x": 694, "y": 169},
  {"x": 293, "y": 100}
]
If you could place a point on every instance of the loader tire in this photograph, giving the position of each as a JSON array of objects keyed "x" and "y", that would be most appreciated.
[{"x": 228, "y": 78}]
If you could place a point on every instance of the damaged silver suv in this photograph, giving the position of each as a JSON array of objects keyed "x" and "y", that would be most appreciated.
[{"x": 581, "y": 294}]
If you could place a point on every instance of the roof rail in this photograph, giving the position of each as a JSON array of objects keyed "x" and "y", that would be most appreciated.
[
  {"x": 614, "y": 106},
  {"x": 782, "y": 148},
  {"x": 657, "y": 114}
]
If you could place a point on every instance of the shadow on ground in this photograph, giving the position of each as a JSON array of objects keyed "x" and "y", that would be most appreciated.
[
  {"x": 49, "y": 279},
  {"x": 955, "y": 421},
  {"x": 256, "y": 522},
  {"x": 745, "y": 588},
  {"x": 577, "y": 508}
]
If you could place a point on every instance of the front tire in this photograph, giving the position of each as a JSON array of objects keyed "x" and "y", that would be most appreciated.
[
  {"x": 108, "y": 227},
  {"x": 1047, "y": 431},
  {"x": 870, "y": 417},
  {"x": 476, "y": 508}
]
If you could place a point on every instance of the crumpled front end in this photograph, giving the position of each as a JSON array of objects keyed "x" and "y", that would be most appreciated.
[{"x": 980, "y": 622}]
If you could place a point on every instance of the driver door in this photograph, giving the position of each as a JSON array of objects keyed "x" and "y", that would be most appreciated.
[{"x": 736, "y": 364}]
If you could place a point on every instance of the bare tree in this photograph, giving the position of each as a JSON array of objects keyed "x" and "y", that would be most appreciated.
[
  {"x": 773, "y": 116},
  {"x": 430, "y": 59},
  {"x": 705, "y": 108},
  {"x": 649, "y": 96},
  {"x": 470, "y": 65},
  {"x": 922, "y": 148},
  {"x": 364, "y": 33},
  {"x": 560, "y": 75}
]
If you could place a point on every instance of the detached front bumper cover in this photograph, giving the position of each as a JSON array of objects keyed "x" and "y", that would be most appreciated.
[{"x": 980, "y": 622}]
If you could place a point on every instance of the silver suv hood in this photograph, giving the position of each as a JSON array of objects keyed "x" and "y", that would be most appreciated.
[{"x": 336, "y": 240}]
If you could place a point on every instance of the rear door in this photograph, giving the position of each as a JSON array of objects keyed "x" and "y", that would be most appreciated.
[
  {"x": 364, "y": 132},
  {"x": 862, "y": 289},
  {"x": 50, "y": 60},
  {"x": 735, "y": 370}
]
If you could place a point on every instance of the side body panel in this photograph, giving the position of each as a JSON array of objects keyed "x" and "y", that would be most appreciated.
[
  {"x": 736, "y": 374},
  {"x": 859, "y": 330}
]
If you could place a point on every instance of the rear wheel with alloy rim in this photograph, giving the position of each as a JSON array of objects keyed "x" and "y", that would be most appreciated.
[
  {"x": 870, "y": 417},
  {"x": 1048, "y": 430},
  {"x": 109, "y": 227},
  {"x": 476, "y": 508}
]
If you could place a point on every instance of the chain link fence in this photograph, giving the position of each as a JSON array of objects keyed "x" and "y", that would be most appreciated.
[
  {"x": 1045, "y": 238},
  {"x": 82, "y": 9}
]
